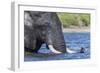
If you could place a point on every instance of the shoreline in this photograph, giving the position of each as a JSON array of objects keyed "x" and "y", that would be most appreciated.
[{"x": 85, "y": 29}]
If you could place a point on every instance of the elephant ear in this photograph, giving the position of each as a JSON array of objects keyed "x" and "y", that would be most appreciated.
[
  {"x": 57, "y": 36},
  {"x": 29, "y": 38}
]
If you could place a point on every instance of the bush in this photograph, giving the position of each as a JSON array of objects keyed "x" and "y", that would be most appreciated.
[
  {"x": 85, "y": 18},
  {"x": 73, "y": 19}
]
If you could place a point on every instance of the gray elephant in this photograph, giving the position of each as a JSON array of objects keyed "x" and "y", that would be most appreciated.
[{"x": 43, "y": 27}]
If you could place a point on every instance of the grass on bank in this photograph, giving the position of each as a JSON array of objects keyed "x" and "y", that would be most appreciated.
[{"x": 74, "y": 19}]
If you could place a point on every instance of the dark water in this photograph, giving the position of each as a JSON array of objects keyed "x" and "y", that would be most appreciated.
[{"x": 73, "y": 40}]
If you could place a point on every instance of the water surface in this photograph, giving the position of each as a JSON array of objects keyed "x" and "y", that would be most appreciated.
[{"x": 73, "y": 40}]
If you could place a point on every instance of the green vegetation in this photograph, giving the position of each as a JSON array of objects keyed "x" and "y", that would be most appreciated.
[{"x": 74, "y": 19}]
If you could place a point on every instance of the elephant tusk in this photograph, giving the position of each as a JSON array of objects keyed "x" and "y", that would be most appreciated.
[
  {"x": 53, "y": 50},
  {"x": 70, "y": 51}
]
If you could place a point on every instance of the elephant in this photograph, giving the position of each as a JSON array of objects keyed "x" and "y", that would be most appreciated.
[{"x": 43, "y": 27}]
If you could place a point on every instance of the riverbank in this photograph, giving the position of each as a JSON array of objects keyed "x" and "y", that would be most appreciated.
[{"x": 77, "y": 29}]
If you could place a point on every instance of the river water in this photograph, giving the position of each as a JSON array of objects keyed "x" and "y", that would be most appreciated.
[{"x": 73, "y": 40}]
